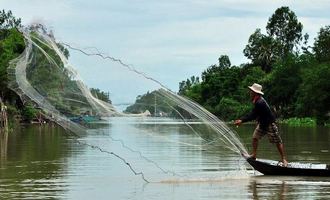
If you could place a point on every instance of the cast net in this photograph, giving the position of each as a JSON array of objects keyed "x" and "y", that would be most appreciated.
[{"x": 43, "y": 77}]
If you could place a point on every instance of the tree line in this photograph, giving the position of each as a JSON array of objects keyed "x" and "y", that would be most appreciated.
[{"x": 295, "y": 76}]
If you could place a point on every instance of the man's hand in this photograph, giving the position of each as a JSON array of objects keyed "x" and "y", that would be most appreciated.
[{"x": 237, "y": 122}]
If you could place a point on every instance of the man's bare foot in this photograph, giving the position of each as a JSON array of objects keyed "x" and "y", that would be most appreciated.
[
  {"x": 285, "y": 163},
  {"x": 247, "y": 156},
  {"x": 252, "y": 157}
]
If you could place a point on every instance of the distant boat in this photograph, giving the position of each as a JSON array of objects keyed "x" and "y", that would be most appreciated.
[{"x": 85, "y": 119}]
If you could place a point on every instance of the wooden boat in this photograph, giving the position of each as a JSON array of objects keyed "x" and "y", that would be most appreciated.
[{"x": 271, "y": 167}]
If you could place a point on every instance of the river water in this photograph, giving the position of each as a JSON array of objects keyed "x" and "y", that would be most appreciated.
[{"x": 47, "y": 162}]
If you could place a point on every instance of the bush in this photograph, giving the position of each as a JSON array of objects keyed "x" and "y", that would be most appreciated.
[
  {"x": 29, "y": 113},
  {"x": 12, "y": 110},
  {"x": 307, "y": 121}
]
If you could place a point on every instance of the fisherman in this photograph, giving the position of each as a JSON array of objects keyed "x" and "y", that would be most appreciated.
[{"x": 266, "y": 123}]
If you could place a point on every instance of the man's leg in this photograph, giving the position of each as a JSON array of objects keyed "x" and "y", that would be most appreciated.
[
  {"x": 274, "y": 137},
  {"x": 257, "y": 135},
  {"x": 280, "y": 148},
  {"x": 254, "y": 147}
]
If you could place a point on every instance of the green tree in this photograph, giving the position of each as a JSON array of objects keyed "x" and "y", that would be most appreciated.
[
  {"x": 284, "y": 26},
  {"x": 249, "y": 75},
  {"x": 262, "y": 50},
  {"x": 224, "y": 61},
  {"x": 11, "y": 45},
  {"x": 7, "y": 22},
  {"x": 194, "y": 93},
  {"x": 322, "y": 44},
  {"x": 218, "y": 83},
  {"x": 184, "y": 86},
  {"x": 314, "y": 96},
  {"x": 100, "y": 95},
  {"x": 281, "y": 86}
]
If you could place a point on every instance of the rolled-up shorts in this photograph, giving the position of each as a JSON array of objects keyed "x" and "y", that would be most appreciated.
[{"x": 271, "y": 131}]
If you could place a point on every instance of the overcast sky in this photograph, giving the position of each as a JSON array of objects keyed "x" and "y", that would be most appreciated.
[{"x": 169, "y": 40}]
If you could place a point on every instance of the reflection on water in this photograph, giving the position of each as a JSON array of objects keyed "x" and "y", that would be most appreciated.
[
  {"x": 33, "y": 160},
  {"x": 267, "y": 187},
  {"x": 45, "y": 162},
  {"x": 3, "y": 145}
]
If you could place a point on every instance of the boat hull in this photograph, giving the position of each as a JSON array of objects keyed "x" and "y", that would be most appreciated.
[{"x": 271, "y": 167}]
